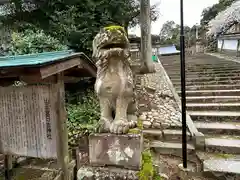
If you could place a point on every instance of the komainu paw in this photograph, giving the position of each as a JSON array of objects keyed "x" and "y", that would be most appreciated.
[
  {"x": 103, "y": 126},
  {"x": 132, "y": 121},
  {"x": 119, "y": 126}
]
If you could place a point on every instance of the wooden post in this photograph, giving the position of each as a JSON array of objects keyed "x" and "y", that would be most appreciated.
[
  {"x": 8, "y": 165},
  {"x": 8, "y": 159},
  {"x": 62, "y": 135},
  {"x": 146, "y": 42}
]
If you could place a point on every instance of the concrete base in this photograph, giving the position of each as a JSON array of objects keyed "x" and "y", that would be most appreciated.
[
  {"x": 103, "y": 173},
  {"x": 116, "y": 150}
]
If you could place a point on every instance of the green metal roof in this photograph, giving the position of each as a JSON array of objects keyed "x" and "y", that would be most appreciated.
[{"x": 36, "y": 59}]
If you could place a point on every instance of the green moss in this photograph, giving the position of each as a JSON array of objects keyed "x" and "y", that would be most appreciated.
[
  {"x": 138, "y": 129},
  {"x": 134, "y": 131},
  {"x": 225, "y": 156},
  {"x": 148, "y": 171},
  {"x": 115, "y": 27},
  {"x": 140, "y": 124}
]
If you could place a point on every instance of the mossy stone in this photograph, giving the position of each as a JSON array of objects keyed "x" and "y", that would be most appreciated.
[
  {"x": 115, "y": 27},
  {"x": 134, "y": 131}
]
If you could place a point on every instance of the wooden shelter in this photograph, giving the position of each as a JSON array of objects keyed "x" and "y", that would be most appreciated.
[{"x": 32, "y": 114}]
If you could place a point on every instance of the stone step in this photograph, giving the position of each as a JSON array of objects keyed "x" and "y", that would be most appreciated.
[
  {"x": 210, "y": 91},
  {"x": 189, "y": 66},
  {"x": 177, "y": 72},
  {"x": 203, "y": 79},
  {"x": 170, "y": 148},
  {"x": 213, "y": 106},
  {"x": 214, "y": 116},
  {"x": 220, "y": 163},
  {"x": 223, "y": 166},
  {"x": 222, "y": 136},
  {"x": 214, "y": 113},
  {"x": 202, "y": 73},
  {"x": 202, "y": 69},
  {"x": 191, "y": 76},
  {"x": 204, "y": 66},
  {"x": 212, "y": 99},
  {"x": 216, "y": 92},
  {"x": 205, "y": 83},
  {"x": 172, "y": 135},
  {"x": 218, "y": 128},
  {"x": 210, "y": 87},
  {"x": 210, "y": 156},
  {"x": 221, "y": 145},
  {"x": 204, "y": 76},
  {"x": 199, "y": 63},
  {"x": 168, "y": 62},
  {"x": 191, "y": 69}
]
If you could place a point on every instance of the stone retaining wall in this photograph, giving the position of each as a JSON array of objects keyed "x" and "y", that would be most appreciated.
[{"x": 156, "y": 104}]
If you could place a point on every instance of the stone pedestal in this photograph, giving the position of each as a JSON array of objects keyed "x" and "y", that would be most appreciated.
[
  {"x": 117, "y": 150},
  {"x": 110, "y": 155}
]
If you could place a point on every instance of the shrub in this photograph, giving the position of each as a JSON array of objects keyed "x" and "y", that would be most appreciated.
[
  {"x": 30, "y": 41},
  {"x": 82, "y": 117}
]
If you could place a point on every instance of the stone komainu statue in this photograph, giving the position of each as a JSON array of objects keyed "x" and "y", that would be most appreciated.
[{"x": 114, "y": 81}]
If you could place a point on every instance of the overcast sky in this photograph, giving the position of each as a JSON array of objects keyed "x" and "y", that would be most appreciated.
[{"x": 170, "y": 10}]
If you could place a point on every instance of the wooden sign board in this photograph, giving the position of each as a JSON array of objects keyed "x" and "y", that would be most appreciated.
[{"x": 28, "y": 120}]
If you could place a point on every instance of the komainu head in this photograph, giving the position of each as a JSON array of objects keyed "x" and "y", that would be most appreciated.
[{"x": 109, "y": 38}]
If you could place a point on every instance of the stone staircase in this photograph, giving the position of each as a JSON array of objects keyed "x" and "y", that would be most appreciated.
[
  {"x": 212, "y": 95},
  {"x": 161, "y": 118},
  {"x": 167, "y": 151}
]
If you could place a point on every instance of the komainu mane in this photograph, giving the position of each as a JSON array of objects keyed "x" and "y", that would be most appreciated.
[{"x": 114, "y": 82}]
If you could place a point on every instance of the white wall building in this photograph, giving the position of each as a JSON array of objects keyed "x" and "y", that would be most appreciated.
[{"x": 230, "y": 41}]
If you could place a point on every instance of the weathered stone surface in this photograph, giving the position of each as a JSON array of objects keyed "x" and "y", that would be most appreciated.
[
  {"x": 118, "y": 150},
  {"x": 109, "y": 173}
]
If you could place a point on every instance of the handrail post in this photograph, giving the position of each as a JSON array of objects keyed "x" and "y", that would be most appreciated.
[{"x": 183, "y": 93}]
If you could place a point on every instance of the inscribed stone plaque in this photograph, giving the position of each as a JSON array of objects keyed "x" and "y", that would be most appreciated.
[{"x": 118, "y": 150}]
